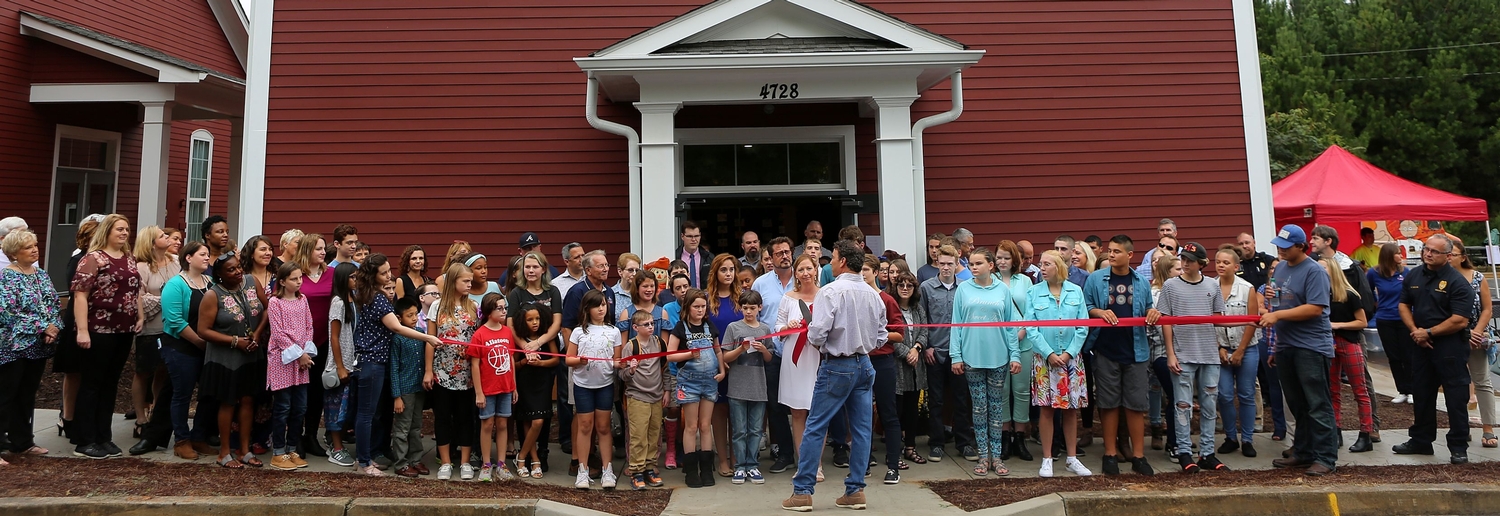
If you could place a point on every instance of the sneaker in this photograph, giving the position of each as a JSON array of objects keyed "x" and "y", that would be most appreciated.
[
  {"x": 1141, "y": 467},
  {"x": 855, "y": 500},
  {"x": 112, "y": 450},
  {"x": 840, "y": 457},
  {"x": 1400, "y": 398},
  {"x": 466, "y": 471},
  {"x": 638, "y": 481},
  {"x": 1111, "y": 465},
  {"x": 90, "y": 451},
  {"x": 781, "y": 465},
  {"x": 798, "y": 503},
  {"x": 607, "y": 480},
  {"x": 739, "y": 477},
  {"x": 755, "y": 476},
  {"x": 1046, "y": 471},
  {"x": 486, "y": 472},
  {"x": 970, "y": 454},
  {"x": 373, "y": 471},
  {"x": 1211, "y": 463},
  {"x": 653, "y": 478},
  {"x": 445, "y": 472},
  {"x": 582, "y": 482},
  {"x": 503, "y": 474},
  {"x": 341, "y": 457},
  {"x": 1186, "y": 462},
  {"x": 283, "y": 462},
  {"x": 892, "y": 477},
  {"x": 1078, "y": 468},
  {"x": 935, "y": 454}
]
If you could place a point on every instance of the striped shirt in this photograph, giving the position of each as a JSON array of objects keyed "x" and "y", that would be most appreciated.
[{"x": 1193, "y": 343}]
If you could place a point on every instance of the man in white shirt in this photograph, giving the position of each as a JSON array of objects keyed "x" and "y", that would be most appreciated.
[
  {"x": 773, "y": 286},
  {"x": 573, "y": 253}
]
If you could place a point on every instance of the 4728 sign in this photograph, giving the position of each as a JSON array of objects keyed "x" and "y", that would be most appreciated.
[{"x": 773, "y": 90}]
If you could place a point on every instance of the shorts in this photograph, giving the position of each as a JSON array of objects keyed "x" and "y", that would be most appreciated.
[
  {"x": 336, "y": 409},
  {"x": 586, "y": 400},
  {"x": 695, "y": 387},
  {"x": 496, "y": 405},
  {"x": 1119, "y": 385},
  {"x": 670, "y": 387},
  {"x": 147, "y": 354}
]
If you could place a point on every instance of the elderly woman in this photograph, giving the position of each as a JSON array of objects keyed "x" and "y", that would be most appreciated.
[{"x": 29, "y": 325}]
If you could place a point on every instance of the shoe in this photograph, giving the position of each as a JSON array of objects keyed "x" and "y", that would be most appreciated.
[
  {"x": 373, "y": 471},
  {"x": 1247, "y": 449},
  {"x": 1018, "y": 443},
  {"x": 1459, "y": 457},
  {"x": 259, "y": 449},
  {"x": 1111, "y": 465},
  {"x": 739, "y": 477},
  {"x": 283, "y": 462},
  {"x": 1156, "y": 438},
  {"x": 582, "y": 481},
  {"x": 935, "y": 454},
  {"x": 1186, "y": 462},
  {"x": 203, "y": 448},
  {"x": 408, "y": 472},
  {"x": 892, "y": 477},
  {"x": 1400, "y": 398},
  {"x": 112, "y": 450},
  {"x": 1229, "y": 446},
  {"x": 689, "y": 464},
  {"x": 1361, "y": 444},
  {"x": 486, "y": 472},
  {"x": 1079, "y": 469},
  {"x": 1412, "y": 448},
  {"x": 143, "y": 447},
  {"x": 90, "y": 451},
  {"x": 781, "y": 465},
  {"x": 213, "y": 440},
  {"x": 1318, "y": 470},
  {"x": 1211, "y": 463},
  {"x": 855, "y": 500},
  {"x": 872, "y": 461},
  {"x": 445, "y": 472},
  {"x": 572, "y": 467},
  {"x": 298, "y": 460},
  {"x": 840, "y": 457},
  {"x": 421, "y": 469},
  {"x": 798, "y": 503},
  {"x": 184, "y": 450},
  {"x": 1291, "y": 462},
  {"x": 970, "y": 454},
  {"x": 1046, "y": 470},
  {"x": 466, "y": 471},
  {"x": 503, "y": 474},
  {"x": 1007, "y": 438},
  {"x": 607, "y": 480},
  {"x": 1375, "y": 436},
  {"x": 637, "y": 482},
  {"x": 341, "y": 458},
  {"x": 1141, "y": 467},
  {"x": 653, "y": 478},
  {"x": 706, "y": 468},
  {"x": 521, "y": 470}
]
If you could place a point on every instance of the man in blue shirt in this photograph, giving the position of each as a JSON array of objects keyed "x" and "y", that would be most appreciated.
[
  {"x": 1304, "y": 349},
  {"x": 773, "y": 286},
  {"x": 1121, "y": 355},
  {"x": 928, "y": 271},
  {"x": 1064, "y": 246}
]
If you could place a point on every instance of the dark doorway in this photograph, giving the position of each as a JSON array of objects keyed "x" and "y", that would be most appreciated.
[{"x": 724, "y": 219}]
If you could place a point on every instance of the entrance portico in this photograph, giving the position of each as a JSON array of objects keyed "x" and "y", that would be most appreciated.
[{"x": 776, "y": 52}]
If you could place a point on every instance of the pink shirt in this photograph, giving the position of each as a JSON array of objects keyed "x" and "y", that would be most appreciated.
[{"x": 291, "y": 337}]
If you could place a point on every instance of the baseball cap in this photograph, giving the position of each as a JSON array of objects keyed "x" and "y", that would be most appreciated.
[
  {"x": 1290, "y": 235},
  {"x": 1194, "y": 251},
  {"x": 529, "y": 239}
]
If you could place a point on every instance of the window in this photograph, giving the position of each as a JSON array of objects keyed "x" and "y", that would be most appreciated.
[
  {"x": 779, "y": 159},
  {"x": 199, "y": 159}
]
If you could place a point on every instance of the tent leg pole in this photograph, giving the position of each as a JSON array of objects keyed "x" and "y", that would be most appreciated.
[{"x": 1491, "y": 283}]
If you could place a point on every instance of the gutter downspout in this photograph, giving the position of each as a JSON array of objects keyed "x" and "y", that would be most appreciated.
[
  {"x": 632, "y": 157},
  {"x": 919, "y": 167}
]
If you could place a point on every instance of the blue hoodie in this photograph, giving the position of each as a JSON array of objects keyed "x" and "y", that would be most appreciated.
[{"x": 984, "y": 347}]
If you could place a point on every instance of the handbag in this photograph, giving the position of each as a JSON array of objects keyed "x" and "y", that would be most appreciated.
[{"x": 330, "y": 375}]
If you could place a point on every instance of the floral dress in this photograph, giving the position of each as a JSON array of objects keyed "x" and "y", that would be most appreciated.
[
  {"x": 450, "y": 363},
  {"x": 229, "y": 373},
  {"x": 1057, "y": 387},
  {"x": 28, "y": 304},
  {"x": 114, "y": 289}
]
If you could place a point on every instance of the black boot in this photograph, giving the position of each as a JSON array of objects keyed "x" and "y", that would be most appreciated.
[
  {"x": 1006, "y": 438},
  {"x": 689, "y": 465},
  {"x": 1019, "y": 438},
  {"x": 706, "y": 467},
  {"x": 312, "y": 448},
  {"x": 1362, "y": 444}
]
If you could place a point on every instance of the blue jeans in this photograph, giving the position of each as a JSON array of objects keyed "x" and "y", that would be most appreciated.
[
  {"x": 842, "y": 383},
  {"x": 746, "y": 419},
  {"x": 1270, "y": 389},
  {"x": 1304, "y": 374},
  {"x": 1200, "y": 382},
  {"x": 1237, "y": 396},
  {"x": 182, "y": 372},
  {"x": 369, "y": 381},
  {"x": 287, "y": 405}
]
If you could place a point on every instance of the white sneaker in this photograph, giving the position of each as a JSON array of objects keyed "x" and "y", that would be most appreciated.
[
  {"x": 502, "y": 474},
  {"x": 607, "y": 480},
  {"x": 583, "y": 478},
  {"x": 1046, "y": 471},
  {"x": 466, "y": 471},
  {"x": 373, "y": 471},
  {"x": 484, "y": 473},
  {"x": 445, "y": 472},
  {"x": 1400, "y": 398},
  {"x": 1078, "y": 468}
]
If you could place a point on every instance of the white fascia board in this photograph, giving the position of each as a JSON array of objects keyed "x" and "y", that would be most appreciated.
[
  {"x": 1253, "y": 109},
  {"x": 235, "y": 25},
  {"x": 682, "y": 27},
  {"x": 760, "y": 61},
  {"x": 162, "y": 70},
  {"x": 103, "y": 92},
  {"x": 870, "y": 21}
]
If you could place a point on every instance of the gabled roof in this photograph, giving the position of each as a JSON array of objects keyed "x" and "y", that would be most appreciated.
[
  {"x": 138, "y": 57},
  {"x": 779, "y": 46}
]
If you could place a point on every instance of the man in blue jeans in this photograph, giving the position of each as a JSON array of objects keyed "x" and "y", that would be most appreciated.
[
  {"x": 848, "y": 324},
  {"x": 1304, "y": 347}
]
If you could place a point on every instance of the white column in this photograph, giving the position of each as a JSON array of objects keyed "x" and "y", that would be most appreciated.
[
  {"x": 1253, "y": 109},
  {"x": 156, "y": 142},
  {"x": 658, "y": 178},
  {"x": 898, "y": 200},
  {"x": 237, "y": 229},
  {"x": 250, "y": 197}
]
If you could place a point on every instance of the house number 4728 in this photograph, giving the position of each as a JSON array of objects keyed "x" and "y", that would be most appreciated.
[{"x": 778, "y": 91}]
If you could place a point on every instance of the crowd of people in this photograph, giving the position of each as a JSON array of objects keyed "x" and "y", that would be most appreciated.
[{"x": 305, "y": 345}]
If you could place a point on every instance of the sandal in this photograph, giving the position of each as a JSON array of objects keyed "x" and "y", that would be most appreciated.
[
  {"x": 902, "y": 465},
  {"x": 820, "y": 473},
  {"x": 911, "y": 454},
  {"x": 250, "y": 460},
  {"x": 229, "y": 462},
  {"x": 35, "y": 450},
  {"x": 536, "y": 469},
  {"x": 982, "y": 467},
  {"x": 136, "y": 433},
  {"x": 999, "y": 468},
  {"x": 1490, "y": 441}
]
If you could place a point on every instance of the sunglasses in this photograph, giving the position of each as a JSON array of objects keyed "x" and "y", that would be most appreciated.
[
  {"x": 1165, "y": 246},
  {"x": 227, "y": 255}
]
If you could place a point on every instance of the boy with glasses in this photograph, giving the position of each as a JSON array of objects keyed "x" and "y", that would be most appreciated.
[{"x": 644, "y": 385}]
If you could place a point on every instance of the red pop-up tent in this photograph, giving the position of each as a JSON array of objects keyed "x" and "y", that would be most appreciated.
[{"x": 1340, "y": 187}]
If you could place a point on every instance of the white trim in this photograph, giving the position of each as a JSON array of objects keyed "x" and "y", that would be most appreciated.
[
  {"x": 162, "y": 70},
  {"x": 1253, "y": 107},
  {"x": 234, "y": 24},
  {"x": 251, "y": 194},
  {"x": 113, "y": 139},
  {"x": 202, "y": 135},
  {"x": 103, "y": 92},
  {"x": 841, "y": 134},
  {"x": 959, "y": 58}
]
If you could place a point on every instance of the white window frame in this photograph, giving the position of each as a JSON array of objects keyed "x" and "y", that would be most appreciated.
[
  {"x": 841, "y": 134},
  {"x": 189, "y": 226}
]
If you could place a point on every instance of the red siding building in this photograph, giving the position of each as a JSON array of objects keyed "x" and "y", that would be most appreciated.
[{"x": 431, "y": 122}]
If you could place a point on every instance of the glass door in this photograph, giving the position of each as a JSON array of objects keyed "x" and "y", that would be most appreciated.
[{"x": 78, "y": 193}]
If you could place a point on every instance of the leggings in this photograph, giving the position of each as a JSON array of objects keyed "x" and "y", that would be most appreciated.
[
  {"x": 1349, "y": 358},
  {"x": 987, "y": 390},
  {"x": 453, "y": 414},
  {"x": 907, "y": 404},
  {"x": 1018, "y": 389},
  {"x": 1396, "y": 340}
]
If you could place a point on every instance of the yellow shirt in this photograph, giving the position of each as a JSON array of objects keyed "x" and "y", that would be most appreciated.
[{"x": 1367, "y": 254}]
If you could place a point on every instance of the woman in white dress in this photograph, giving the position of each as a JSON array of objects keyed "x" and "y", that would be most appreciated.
[{"x": 799, "y": 377}]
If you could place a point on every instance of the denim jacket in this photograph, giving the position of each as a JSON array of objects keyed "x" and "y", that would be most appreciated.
[
  {"x": 1096, "y": 295},
  {"x": 1042, "y": 306}
]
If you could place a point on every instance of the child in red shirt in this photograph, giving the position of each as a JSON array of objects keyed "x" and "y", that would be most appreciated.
[{"x": 494, "y": 383}]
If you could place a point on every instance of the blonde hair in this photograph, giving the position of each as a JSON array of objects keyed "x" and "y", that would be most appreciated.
[
  {"x": 1339, "y": 284},
  {"x": 305, "y": 249},
  {"x": 15, "y": 241},
  {"x": 290, "y": 236},
  {"x": 1162, "y": 269},
  {"x": 1088, "y": 255},
  {"x": 449, "y": 298},
  {"x": 458, "y": 248},
  {"x": 1051, "y": 255},
  {"x": 101, "y": 234},
  {"x": 796, "y": 283},
  {"x": 145, "y": 246}
]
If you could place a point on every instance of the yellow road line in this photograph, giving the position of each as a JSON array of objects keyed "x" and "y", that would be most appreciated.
[{"x": 1333, "y": 503}]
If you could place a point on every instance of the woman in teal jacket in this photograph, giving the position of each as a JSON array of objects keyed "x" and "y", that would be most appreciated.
[
  {"x": 1018, "y": 387},
  {"x": 986, "y": 356},
  {"x": 1057, "y": 376}
]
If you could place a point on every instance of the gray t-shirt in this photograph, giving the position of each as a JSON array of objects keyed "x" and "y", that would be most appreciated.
[
  {"x": 1193, "y": 343},
  {"x": 645, "y": 383},
  {"x": 747, "y": 374},
  {"x": 1305, "y": 283}
]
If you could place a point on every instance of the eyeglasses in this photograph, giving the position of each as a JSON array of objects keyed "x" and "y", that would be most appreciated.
[
  {"x": 906, "y": 285},
  {"x": 429, "y": 294},
  {"x": 632, "y": 270},
  {"x": 692, "y": 236}
]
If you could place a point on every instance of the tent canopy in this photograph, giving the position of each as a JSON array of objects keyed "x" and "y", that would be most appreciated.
[{"x": 1340, "y": 187}]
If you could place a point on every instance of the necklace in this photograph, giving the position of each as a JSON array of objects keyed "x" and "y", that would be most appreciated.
[{"x": 190, "y": 284}]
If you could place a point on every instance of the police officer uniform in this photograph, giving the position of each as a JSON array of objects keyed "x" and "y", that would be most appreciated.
[
  {"x": 1256, "y": 270},
  {"x": 1433, "y": 296}
]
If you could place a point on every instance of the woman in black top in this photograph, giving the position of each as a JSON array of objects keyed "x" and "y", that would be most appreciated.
[
  {"x": 66, "y": 361},
  {"x": 1347, "y": 314},
  {"x": 413, "y": 273}
]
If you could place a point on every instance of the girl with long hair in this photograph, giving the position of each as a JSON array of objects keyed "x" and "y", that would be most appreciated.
[
  {"x": 413, "y": 272},
  {"x": 288, "y": 360},
  {"x": 157, "y": 266},
  {"x": 985, "y": 356},
  {"x": 723, "y": 296},
  {"x": 317, "y": 288},
  {"x": 911, "y": 373},
  {"x": 342, "y": 360},
  {"x": 698, "y": 375},
  {"x": 256, "y": 256},
  {"x": 591, "y": 350},
  {"x": 534, "y": 375},
  {"x": 1346, "y": 314},
  {"x": 107, "y": 312},
  {"x": 1161, "y": 381},
  {"x": 799, "y": 376},
  {"x": 454, "y": 317},
  {"x": 1014, "y": 432},
  {"x": 182, "y": 349},
  {"x": 1482, "y": 390},
  {"x": 372, "y": 340}
]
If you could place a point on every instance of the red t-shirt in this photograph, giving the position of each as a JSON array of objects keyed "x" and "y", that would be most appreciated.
[{"x": 493, "y": 348}]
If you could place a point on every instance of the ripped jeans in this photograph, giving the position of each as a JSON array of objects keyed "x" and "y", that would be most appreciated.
[{"x": 1196, "y": 382}]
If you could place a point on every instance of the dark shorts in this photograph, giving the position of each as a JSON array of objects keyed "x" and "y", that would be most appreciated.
[
  {"x": 147, "y": 354},
  {"x": 586, "y": 400},
  {"x": 1119, "y": 385}
]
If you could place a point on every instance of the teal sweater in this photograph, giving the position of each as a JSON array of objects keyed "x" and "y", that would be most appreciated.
[{"x": 983, "y": 347}]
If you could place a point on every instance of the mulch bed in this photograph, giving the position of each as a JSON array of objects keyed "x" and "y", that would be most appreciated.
[
  {"x": 51, "y": 476},
  {"x": 972, "y": 495}
]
